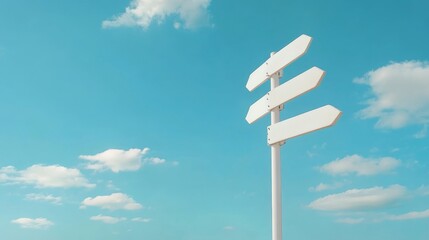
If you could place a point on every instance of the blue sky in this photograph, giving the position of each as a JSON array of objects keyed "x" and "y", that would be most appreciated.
[{"x": 125, "y": 120}]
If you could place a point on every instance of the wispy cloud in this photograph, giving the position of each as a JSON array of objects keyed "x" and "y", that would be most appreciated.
[
  {"x": 154, "y": 161},
  {"x": 360, "y": 165},
  {"x": 107, "y": 219},
  {"x": 37, "y": 223},
  {"x": 142, "y": 13},
  {"x": 400, "y": 95},
  {"x": 314, "y": 151},
  {"x": 44, "y": 198},
  {"x": 381, "y": 217},
  {"x": 8, "y": 174},
  {"x": 410, "y": 215},
  {"x": 114, "y": 220},
  {"x": 324, "y": 186},
  {"x": 112, "y": 186},
  {"x": 114, "y": 201},
  {"x": 423, "y": 190},
  {"x": 229, "y": 228},
  {"x": 41, "y": 176},
  {"x": 350, "y": 220},
  {"x": 360, "y": 199},
  {"x": 140, "y": 219},
  {"x": 422, "y": 133}
]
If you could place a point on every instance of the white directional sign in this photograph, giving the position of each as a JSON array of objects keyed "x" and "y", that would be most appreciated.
[
  {"x": 307, "y": 122},
  {"x": 289, "y": 90},
  {"x": 278, "y": 61}
]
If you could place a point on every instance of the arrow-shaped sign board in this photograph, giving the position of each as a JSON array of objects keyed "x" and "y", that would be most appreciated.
[
  {"x": 278, "y": 61},
  {"x": 307, "y": 122},
  {"x": 289, "y": 90}
]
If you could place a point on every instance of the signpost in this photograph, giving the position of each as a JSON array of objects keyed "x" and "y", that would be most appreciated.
[{"x": 272, "y": 102}]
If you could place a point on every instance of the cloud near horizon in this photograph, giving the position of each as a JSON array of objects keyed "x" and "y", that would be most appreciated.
[
  {"x": 142, "y": 13},
  {"x": 400, "y": 96}
]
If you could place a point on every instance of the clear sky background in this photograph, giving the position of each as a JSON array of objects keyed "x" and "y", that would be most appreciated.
[{"x": 125, "y": 120}]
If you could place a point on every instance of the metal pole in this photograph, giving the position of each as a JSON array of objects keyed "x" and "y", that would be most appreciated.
[{"x": 276, "y": 190}]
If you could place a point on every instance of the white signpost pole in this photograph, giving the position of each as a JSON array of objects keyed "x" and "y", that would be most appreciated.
[
  {"x": 276, "y": 183},
  {"x": 272, "y": 102}
]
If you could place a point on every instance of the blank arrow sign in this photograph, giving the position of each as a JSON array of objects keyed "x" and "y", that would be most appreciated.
[
  {"x": 319, "y": 118},
  {"x": 289, "y": 90},
  {"x": 278, "y": 61}
]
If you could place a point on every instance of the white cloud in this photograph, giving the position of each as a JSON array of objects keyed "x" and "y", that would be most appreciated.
[
  {"x": 400, "y": 94},
  {"x": 411, "y": 215},
  {"x": 107, "y": 219},
  {"x": 7, "y": 174},
  {"x": 360, "y": 165},
  {"x": 140, "y": 219},
  {"x": 315, "y": 150},
  {"x": 229, "y": 228},
  {"x": 423, "y": 190},
  {"x": 116, "y": 159},
  {"x": 142, "y": 13},
  {"x": 360, "y": 199},
  {"x": 52, "y": 176},
  {"x": 323, "y": 187},
  {"x": 42, "y": 197},
  {"x": 395, "y": 150},
  {"x": 112, "y": 186},
  {"x": 422, "y": 133},
  {"x": 37, "y": 223},
  {"x": 114, "y": 201},
  {"x": 350, "y": 220},
  {"x": 177, "y": 25},
  {"x": 154, "y": 161}
]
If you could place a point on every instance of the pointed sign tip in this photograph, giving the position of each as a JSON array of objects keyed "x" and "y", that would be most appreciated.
[
  {"x": 248, "y": 87},
  {"x": 305, "y": 36},
  {"x": 248, "y": 120},
  {"x": 308, "y": 41},
  {"x": 336, "y": 113}
]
